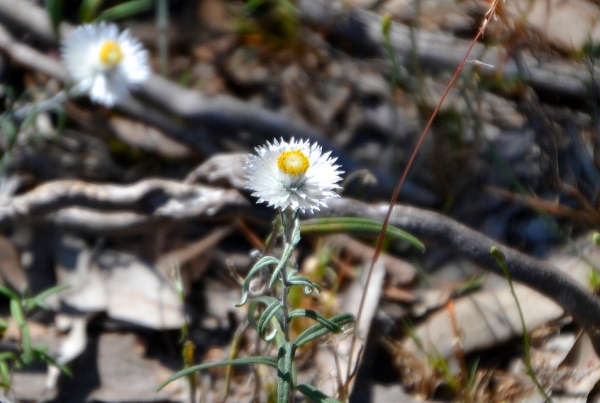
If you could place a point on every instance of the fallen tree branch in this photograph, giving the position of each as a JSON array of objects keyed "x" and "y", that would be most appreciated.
[
  {"x": 203, "y": 116},
  {"x": 151, "y": 200},
  {"x": 565, "y": 81},
  {"x": 30, "y": 57},
  {"x": 361, "y": 30},
  {"x": 154, "y": 198},
  {"x": 174, "y": 201},
  {"x": 448, "y": 233},
  {"x": 222, "y": 114},
  {"x": 103, "y": 222}
]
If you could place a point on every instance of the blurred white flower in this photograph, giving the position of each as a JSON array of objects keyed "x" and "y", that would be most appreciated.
[
  {"x": 103, "y": 62},
  {"x": 295, "y": 175}
]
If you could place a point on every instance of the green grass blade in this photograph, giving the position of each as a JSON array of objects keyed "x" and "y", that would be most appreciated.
[
  {"x": 55, "y": 13},
  {"x": 38, "y": 300},
  {"x": 263, "y": 323},
  {"x": 263, "y": 262},
  {"x": 16, "y": 311},
  {"x": 356, "y": 224},
  {"x": 319, "y": 330},
  {"x": 315, "y": 394},
  {"x": 27, "y": 355},
  {"x": 498, "y": 255},
  {"x": 41, "y": 354},
  {"x": 4, "y": 374},
  {"x": 88, "y": 10},
  {"x": 7, "y": 355},
  {"x": 268, "y": 301},
  {"x": 272, "y": 362},
  {"x": 309, "y": 313},
  {"x": 124, "y": 10},
  {"x": 9, "y": 293}
]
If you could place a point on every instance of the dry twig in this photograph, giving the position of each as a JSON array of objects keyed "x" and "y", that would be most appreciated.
[
  {"x": 154, "y": 199},
  {"x": 444, "y": 231}
]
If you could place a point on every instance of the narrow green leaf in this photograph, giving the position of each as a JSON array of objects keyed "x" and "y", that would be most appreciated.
[
  {"x": 315, "y": 394},
  {"x": 265, "y": 319},
  {"x": 272, "y": 362},
  {"x": 61, "y": 118},
  {"x": 253, "y": 5},
  {"x": 7, "y": 355},
  {"x": 268, "y": 301},
  {"x": 124, "y": 10},
  {"x": 285, "y": 364},
  {"x": 41, "y": 355},
  {"x": 309, "y": 313},
  {"x": 4, "y": 374},
  {"x": 55, "y": 13},
  {"x": 27, "y": 356},
  {"x": 9, "y": 293},
  {"x": 10, "y": 129},
  {"x": 296, "y": 232},
  {"x": 16, "y": 310},
  {"x": 319, "y": 330},
  {"x": 3, "y": 325},
  {"x": 308, "y": 284},
  {"x": 88, "y": 10},
  {"x": 356, "y": 224},
  {"x": 263, "y": 262},
  {"x": 285, "y": 256},
  {"x": 38, "y": 300}
]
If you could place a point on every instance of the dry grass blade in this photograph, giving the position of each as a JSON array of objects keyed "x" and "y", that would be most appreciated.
[
  {"x": 554, "y": 208},
  {"x": 488, "y": 17}
]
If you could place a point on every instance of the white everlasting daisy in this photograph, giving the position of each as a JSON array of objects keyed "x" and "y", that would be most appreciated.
[
  {"x": 294, "y": 175},
  {"x": 103, "y": 62}
]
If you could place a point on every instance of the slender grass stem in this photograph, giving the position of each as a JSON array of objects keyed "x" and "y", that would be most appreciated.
[
  {"x": 42, "y": 106},
  {"x": 162, "y": 24},
  {"x": 499, "y": 257},
  {"x": 488, "y": 17}
]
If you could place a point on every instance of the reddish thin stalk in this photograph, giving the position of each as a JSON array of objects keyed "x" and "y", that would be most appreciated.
[{"x": 413, "y": 156}]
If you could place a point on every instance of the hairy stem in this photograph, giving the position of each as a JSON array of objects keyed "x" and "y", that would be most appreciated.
[{"x": 289, "y": 220}]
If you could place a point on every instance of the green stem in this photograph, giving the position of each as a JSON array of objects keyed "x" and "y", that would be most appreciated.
[
  {"x": 289, "y": 221},
  {"x": 162, "y": 23},
  {"x": 42, "y": 106},
  {"x": 501, "y": 260}
]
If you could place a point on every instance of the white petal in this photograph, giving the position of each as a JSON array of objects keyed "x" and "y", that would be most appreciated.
[
  {"x": 305, "y": 192},
  {"x": 105, "y": 84}
]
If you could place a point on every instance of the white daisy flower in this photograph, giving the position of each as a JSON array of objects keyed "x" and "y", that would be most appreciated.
[
  {"x": 103, "y": 62},
  {"x": 294, "y": 175}
]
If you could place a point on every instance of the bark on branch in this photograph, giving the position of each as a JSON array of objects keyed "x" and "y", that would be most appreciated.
[
  {"x": 446, "y": 232},
  {"x": 202, "y": 115},
  {"x": 565, "y": 81},
  {"x": 152, "y": 198},
  {"x": 174, "y": 201}
]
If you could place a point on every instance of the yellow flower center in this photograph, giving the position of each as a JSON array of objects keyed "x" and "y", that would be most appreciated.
[
  {"x": 293, "y": 162},
  {"x": 111, "y": 53}
]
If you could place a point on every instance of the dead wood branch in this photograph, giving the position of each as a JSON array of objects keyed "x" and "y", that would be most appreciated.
[
  {"x": 30, "y": 57},
  {"x": 102, "y": 222},
  {"x": 446, "y": 232},
  {"x": 173, "y": 201},
  {"x": 155, "y": 198},
  {"x": 361, "y": 30},
  {"x": 207, "y": 115},
  {"x": 222, "y": 114}
]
